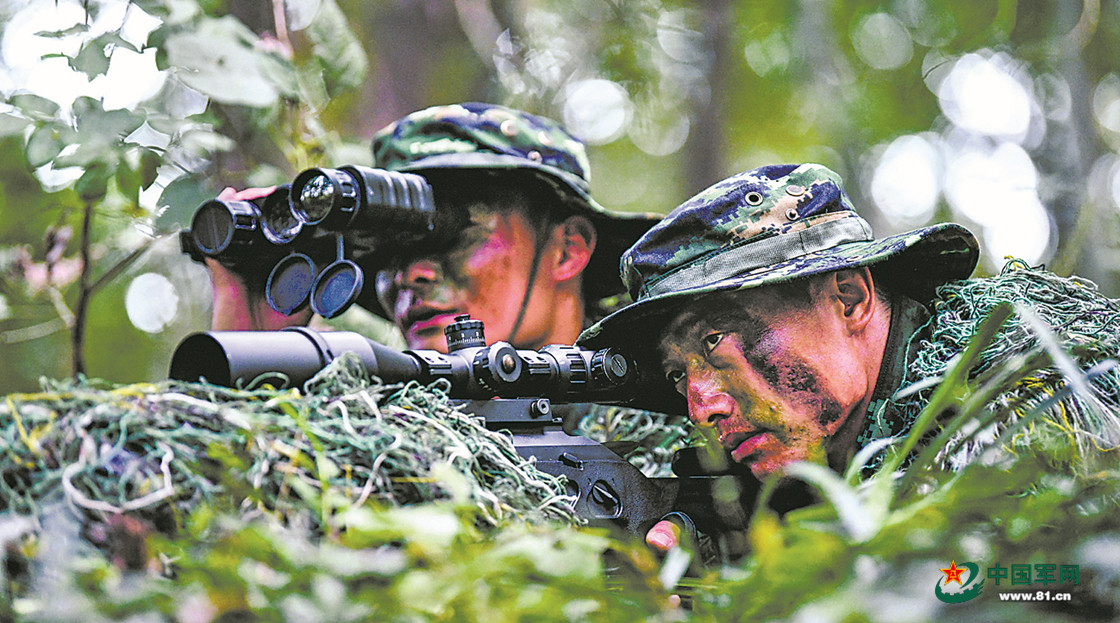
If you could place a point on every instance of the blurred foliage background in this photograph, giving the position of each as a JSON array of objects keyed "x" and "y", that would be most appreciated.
[{"x": 120, "y": 117}]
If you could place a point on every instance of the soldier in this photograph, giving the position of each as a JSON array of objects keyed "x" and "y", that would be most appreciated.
[
  {"x": 533, "y": 253},
  {"x": 786, "y": 327},
  {"x": 532, "y": 256}
]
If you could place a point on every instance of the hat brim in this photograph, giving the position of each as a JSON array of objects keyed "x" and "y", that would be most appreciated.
[{"x": 914, "y": 263}]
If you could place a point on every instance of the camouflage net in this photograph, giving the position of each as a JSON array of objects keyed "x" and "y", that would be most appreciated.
[
  {"x": 1086, "y": 325},
  {"x": 649, "y": 439},
  {"x": 158, "y": 450}
]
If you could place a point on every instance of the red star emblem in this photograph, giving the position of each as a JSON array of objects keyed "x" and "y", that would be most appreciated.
[{"x": 953, "y": 574}]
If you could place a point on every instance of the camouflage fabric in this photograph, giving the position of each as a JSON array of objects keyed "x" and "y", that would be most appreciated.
[
  {"x": 490, "y": 137},
  {"x": 475, "y": 135},
  {"x": 928, "y": 337},
  {"x": 769, "y": 225}
]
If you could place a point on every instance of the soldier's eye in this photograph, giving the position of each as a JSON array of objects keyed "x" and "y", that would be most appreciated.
[
  {"x": 675, "y": 376},
  {"x": 711, "y": 341}
]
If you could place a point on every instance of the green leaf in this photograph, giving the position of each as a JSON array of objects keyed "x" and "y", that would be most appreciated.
[
  {"x": 92, "y": 59},
  {"x": 128, "y": 181},
  {"x": 300, "y": 13},
  {"x": 149, "y": 167},
  {"x": 218, "y": 59},
  {"x": 12, "y": 124},
  {"x": 93, "y": 184},
  {"x": 94, "y": 55},
  {"x": 344, "y": 61},
  {"x": 76, "y": 29},
  {"x": 35, "y": 106},
  {"x": 44, "y": 145},
  {"x": 856, "y": 517},
  {"x": 107, "y": 127},
  {"x": 179, "y": 201}
]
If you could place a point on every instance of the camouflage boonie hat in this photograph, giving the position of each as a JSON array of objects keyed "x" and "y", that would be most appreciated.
[
  {"x": 771, "y": 225},
  {"x": 487, "y": 136}
]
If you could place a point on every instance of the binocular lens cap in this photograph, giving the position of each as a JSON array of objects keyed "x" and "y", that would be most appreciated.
[
  {"x": 336, "y": 288},
  {"x": 289, "y": 283},
  {"x": 212, "y": 227}
]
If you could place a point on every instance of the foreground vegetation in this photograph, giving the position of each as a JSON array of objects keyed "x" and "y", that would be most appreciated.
[{"x": 351, "y": 500}]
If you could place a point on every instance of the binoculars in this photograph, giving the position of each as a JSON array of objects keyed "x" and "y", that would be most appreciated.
[{"x": 308, "y": 234}]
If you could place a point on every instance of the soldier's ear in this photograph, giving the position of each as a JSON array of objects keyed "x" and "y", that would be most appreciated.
[
  {"x": 854, "y": 292},
  {"x": 576, "y": 237}
]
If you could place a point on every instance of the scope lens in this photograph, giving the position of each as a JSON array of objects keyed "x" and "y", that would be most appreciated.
[{"x": 316, "y": 198}]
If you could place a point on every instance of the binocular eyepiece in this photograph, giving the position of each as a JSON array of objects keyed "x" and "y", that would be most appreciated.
[{"x": 305, "y": 232}]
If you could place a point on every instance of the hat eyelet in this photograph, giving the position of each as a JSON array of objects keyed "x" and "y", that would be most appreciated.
[
  {"x": 508, "y": 127},
  {"x": 791, "y": 214},
  {"x": 794, "y": 190},
  {"x": 535, "y": 156},
  {"x": 753, "y": 198}
]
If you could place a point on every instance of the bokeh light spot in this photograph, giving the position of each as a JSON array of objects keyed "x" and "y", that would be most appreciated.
[
  {"x": 882, "y": 42},
  {"x": 984, "y": 96},
  {"x": 151, "y": 302},
  {"x": 905, "y": 183},
  {"x": 597, "y": 111}
]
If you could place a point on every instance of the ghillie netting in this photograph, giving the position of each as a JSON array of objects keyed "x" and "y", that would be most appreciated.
[
  {"x": 157, "y": 451},
  {"x": 646, "y": 439},
  {"x": 1074, "y": 314}
]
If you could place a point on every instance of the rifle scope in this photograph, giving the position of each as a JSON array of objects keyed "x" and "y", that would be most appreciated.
[{"x": 558, "y": 372}]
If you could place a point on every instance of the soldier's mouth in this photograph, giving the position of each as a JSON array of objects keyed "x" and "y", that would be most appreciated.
[
  {"x": 743, "y": 445},
  {"x": 425, "y": 318}
]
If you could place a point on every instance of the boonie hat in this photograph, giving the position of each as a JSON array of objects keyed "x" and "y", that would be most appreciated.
[
  {"x": 487, "y": 136},
  {"x": 770, "y": 225}
]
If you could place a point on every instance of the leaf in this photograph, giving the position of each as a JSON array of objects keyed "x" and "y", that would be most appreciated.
[
  {"x": 853, "y": 514},
  {"x": 44, "y": 144},
  {"x": 92, "y": 59},
  {"x": 93, "y": 184},
  {"x": 128, "y": 181},
  {"x": 35, "y": 106},
  {"x": 105, "y": 127},
  {"x": 343, "y": 60},
  {"x": 12, "y": 124},
  {"x": 76, "y": 29},
  {"x": 149, "y": 167},
  {"x": 300, "y": 13},
  {"x": 178, "y": 202},
  {"x": 218, "y": 59}
]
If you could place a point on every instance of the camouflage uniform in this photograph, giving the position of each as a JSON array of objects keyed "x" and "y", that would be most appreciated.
[
  {"x": 780, "y": 223},
  {"x": 447, "y": 143}
]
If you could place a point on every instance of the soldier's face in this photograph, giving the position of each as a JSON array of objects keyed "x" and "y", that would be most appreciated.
[
  {"x": 485, "y": 274},
  {"x": 766, "y": 379}
]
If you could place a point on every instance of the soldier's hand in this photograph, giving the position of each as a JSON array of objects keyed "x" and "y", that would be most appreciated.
[
  {"x": 236, "y": 307},
  {"x": 664, "y": 536},
  {"x": 229, "y": 193}
]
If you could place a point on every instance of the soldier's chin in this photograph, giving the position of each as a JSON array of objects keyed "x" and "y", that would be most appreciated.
[{"x": 764, "y": 468}]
